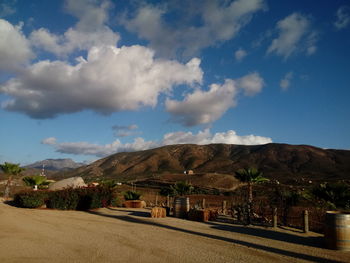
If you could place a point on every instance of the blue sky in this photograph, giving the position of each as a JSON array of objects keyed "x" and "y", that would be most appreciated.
[{"x": 84, "y": 79}]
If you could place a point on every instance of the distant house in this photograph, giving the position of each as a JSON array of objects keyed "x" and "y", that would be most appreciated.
[{"x": 188, "y": 172}]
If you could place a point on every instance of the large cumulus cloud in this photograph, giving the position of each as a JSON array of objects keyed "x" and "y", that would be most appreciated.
[
  {"x": 110, "y": 79},
  {"x": 15, "y": 49}
]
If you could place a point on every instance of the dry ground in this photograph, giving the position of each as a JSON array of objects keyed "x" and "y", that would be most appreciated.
[{"x": 124, "y": 235}]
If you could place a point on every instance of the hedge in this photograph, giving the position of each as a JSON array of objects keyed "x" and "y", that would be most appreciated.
[
  {"x": 30, "y": 199},
  {"x": 68, "y": 199}
]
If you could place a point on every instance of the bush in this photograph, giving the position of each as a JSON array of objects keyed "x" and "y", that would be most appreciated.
[
  {"x": 81, "y": 198},
  {"x": 68, "y": 199},
  {"x": 30, "y": 199},
  {"x": 95, "y": 197},
  {"x": 167, "y": 191},
  {"x": 334, "y": 195}
]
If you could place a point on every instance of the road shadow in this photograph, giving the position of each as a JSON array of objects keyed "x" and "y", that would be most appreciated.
[
  {"x": 270, "y": 234},
  {"x": 132, "y": 212},
  {"x": 10, "y": 203},
  {"x": 279, "y": 251}
]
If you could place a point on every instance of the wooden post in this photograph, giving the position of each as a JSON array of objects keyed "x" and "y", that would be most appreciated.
[
  {"x": 274, "y": 217},
  {"x": 224, "y": 210},
  {"x": 156, "y": 199},
  {"x": 168, "y": 201},
  {"x": 306, "y": 221},
  {"x": 203, "y": 203}
]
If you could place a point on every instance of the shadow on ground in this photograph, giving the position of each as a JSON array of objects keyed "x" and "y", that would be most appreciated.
[
  {"x": 129, "y": 218},
  {"x": 271, "y": 234}
]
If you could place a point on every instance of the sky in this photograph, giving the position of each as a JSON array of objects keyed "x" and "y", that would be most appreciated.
[{"x": 84, "y": 79}]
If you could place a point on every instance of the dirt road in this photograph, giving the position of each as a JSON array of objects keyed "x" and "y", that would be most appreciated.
[{"x": 125, "y": 235}]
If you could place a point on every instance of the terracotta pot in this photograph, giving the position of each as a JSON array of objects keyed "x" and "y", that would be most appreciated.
[{"x": 133, "y": 204}]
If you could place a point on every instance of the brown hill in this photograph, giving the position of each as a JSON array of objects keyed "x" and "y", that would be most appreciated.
[{"x": 286, "y": 163}]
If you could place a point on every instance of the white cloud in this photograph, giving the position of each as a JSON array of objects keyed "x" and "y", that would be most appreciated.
[
  {"x": 124, "y": 131},
  {"x": 220, "y": 21},
  {"x": 343, "y": 17},
  {"x": 202, "y": 138},
  {"x": 202, "y": 107},
  {"x": 85, "y": 148},
  {"x": 72, "y": 40},
  {"x": 14, "y": 47},
  {"x": 91, "y": 13},
  {"x": 90, "y": 31},
  {"x": 295, "y": 35},
  {"x": 205, "y": 107},
  {"x": 240, "y": 54},
  {"x": 49, "y": 141},
  {"x": 110, "y": 79},
  {"x": 285, "y": 82},
  {"x": 251, "y": 84},
  {"x": 205, "y": 137},
  {"x": 7, "y": 8}
]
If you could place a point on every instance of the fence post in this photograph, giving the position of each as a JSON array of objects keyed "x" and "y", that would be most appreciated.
[
  {"x": 224, "y": 210},
  {"x": 168, "y": 201},
  {"x": 156, "y": 199},
  {"x": 306, "y": 221},
  {"x": 203, "y": 203},
  {"x": 274, "y": 217}
]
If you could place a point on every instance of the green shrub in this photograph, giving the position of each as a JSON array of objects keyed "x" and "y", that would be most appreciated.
[
  {"x": 30, "y": 199},
  {"x": 167, "y": 191},
  {"x": 81, "y": 198},
  {"x": 66, "y": 199},
  {"x": 334, "y": 195},
  {"x": 115, "y": 202},
  {"x": 95, "y": 197},
  {"x": 132, "y": 195}
]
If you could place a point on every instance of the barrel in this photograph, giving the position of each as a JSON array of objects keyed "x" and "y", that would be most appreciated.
[
  {"x": 181, "y": 207},
  {"x": 337, "y": 230}
]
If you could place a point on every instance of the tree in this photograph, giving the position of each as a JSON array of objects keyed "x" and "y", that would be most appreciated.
[
  {"x": 335, "y": 195},
  {"x": 10, "y": 169},
  {"x": 250, "y": 176},
  {"x": 36, "y": 180}
]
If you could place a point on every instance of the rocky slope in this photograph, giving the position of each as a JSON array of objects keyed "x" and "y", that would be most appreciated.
[{"x": 283, "y": 162}]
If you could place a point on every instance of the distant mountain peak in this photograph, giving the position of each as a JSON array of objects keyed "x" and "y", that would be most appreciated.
[{"x": 55, "y": 164}]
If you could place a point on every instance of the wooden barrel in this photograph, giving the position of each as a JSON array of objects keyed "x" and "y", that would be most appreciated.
[
  {"x": 181, "y": 207},
  {"x": 337, "y": 230}
]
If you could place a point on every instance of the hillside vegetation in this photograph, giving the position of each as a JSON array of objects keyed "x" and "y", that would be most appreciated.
[{"x": 286, "y": 163}]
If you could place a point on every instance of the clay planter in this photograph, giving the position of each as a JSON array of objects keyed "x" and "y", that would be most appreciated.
[
  {"x": 202, "y": 215},
  {"x": 133, "y": 204}
]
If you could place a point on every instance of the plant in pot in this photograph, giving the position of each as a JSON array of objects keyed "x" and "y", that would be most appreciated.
[{"x": 132, "y": 199}]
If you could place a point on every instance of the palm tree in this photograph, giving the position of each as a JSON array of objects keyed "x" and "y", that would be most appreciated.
[
  {"x": 35, "y": 181},
  {"x": 182, "y": 188},
  {"x": 10, "y": 169},
  {"x": 250, "y": 176}
]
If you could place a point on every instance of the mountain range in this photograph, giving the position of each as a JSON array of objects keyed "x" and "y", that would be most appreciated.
[
  {"x": 55, "y": 164},
  {"x": 290, "y": 164}
]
